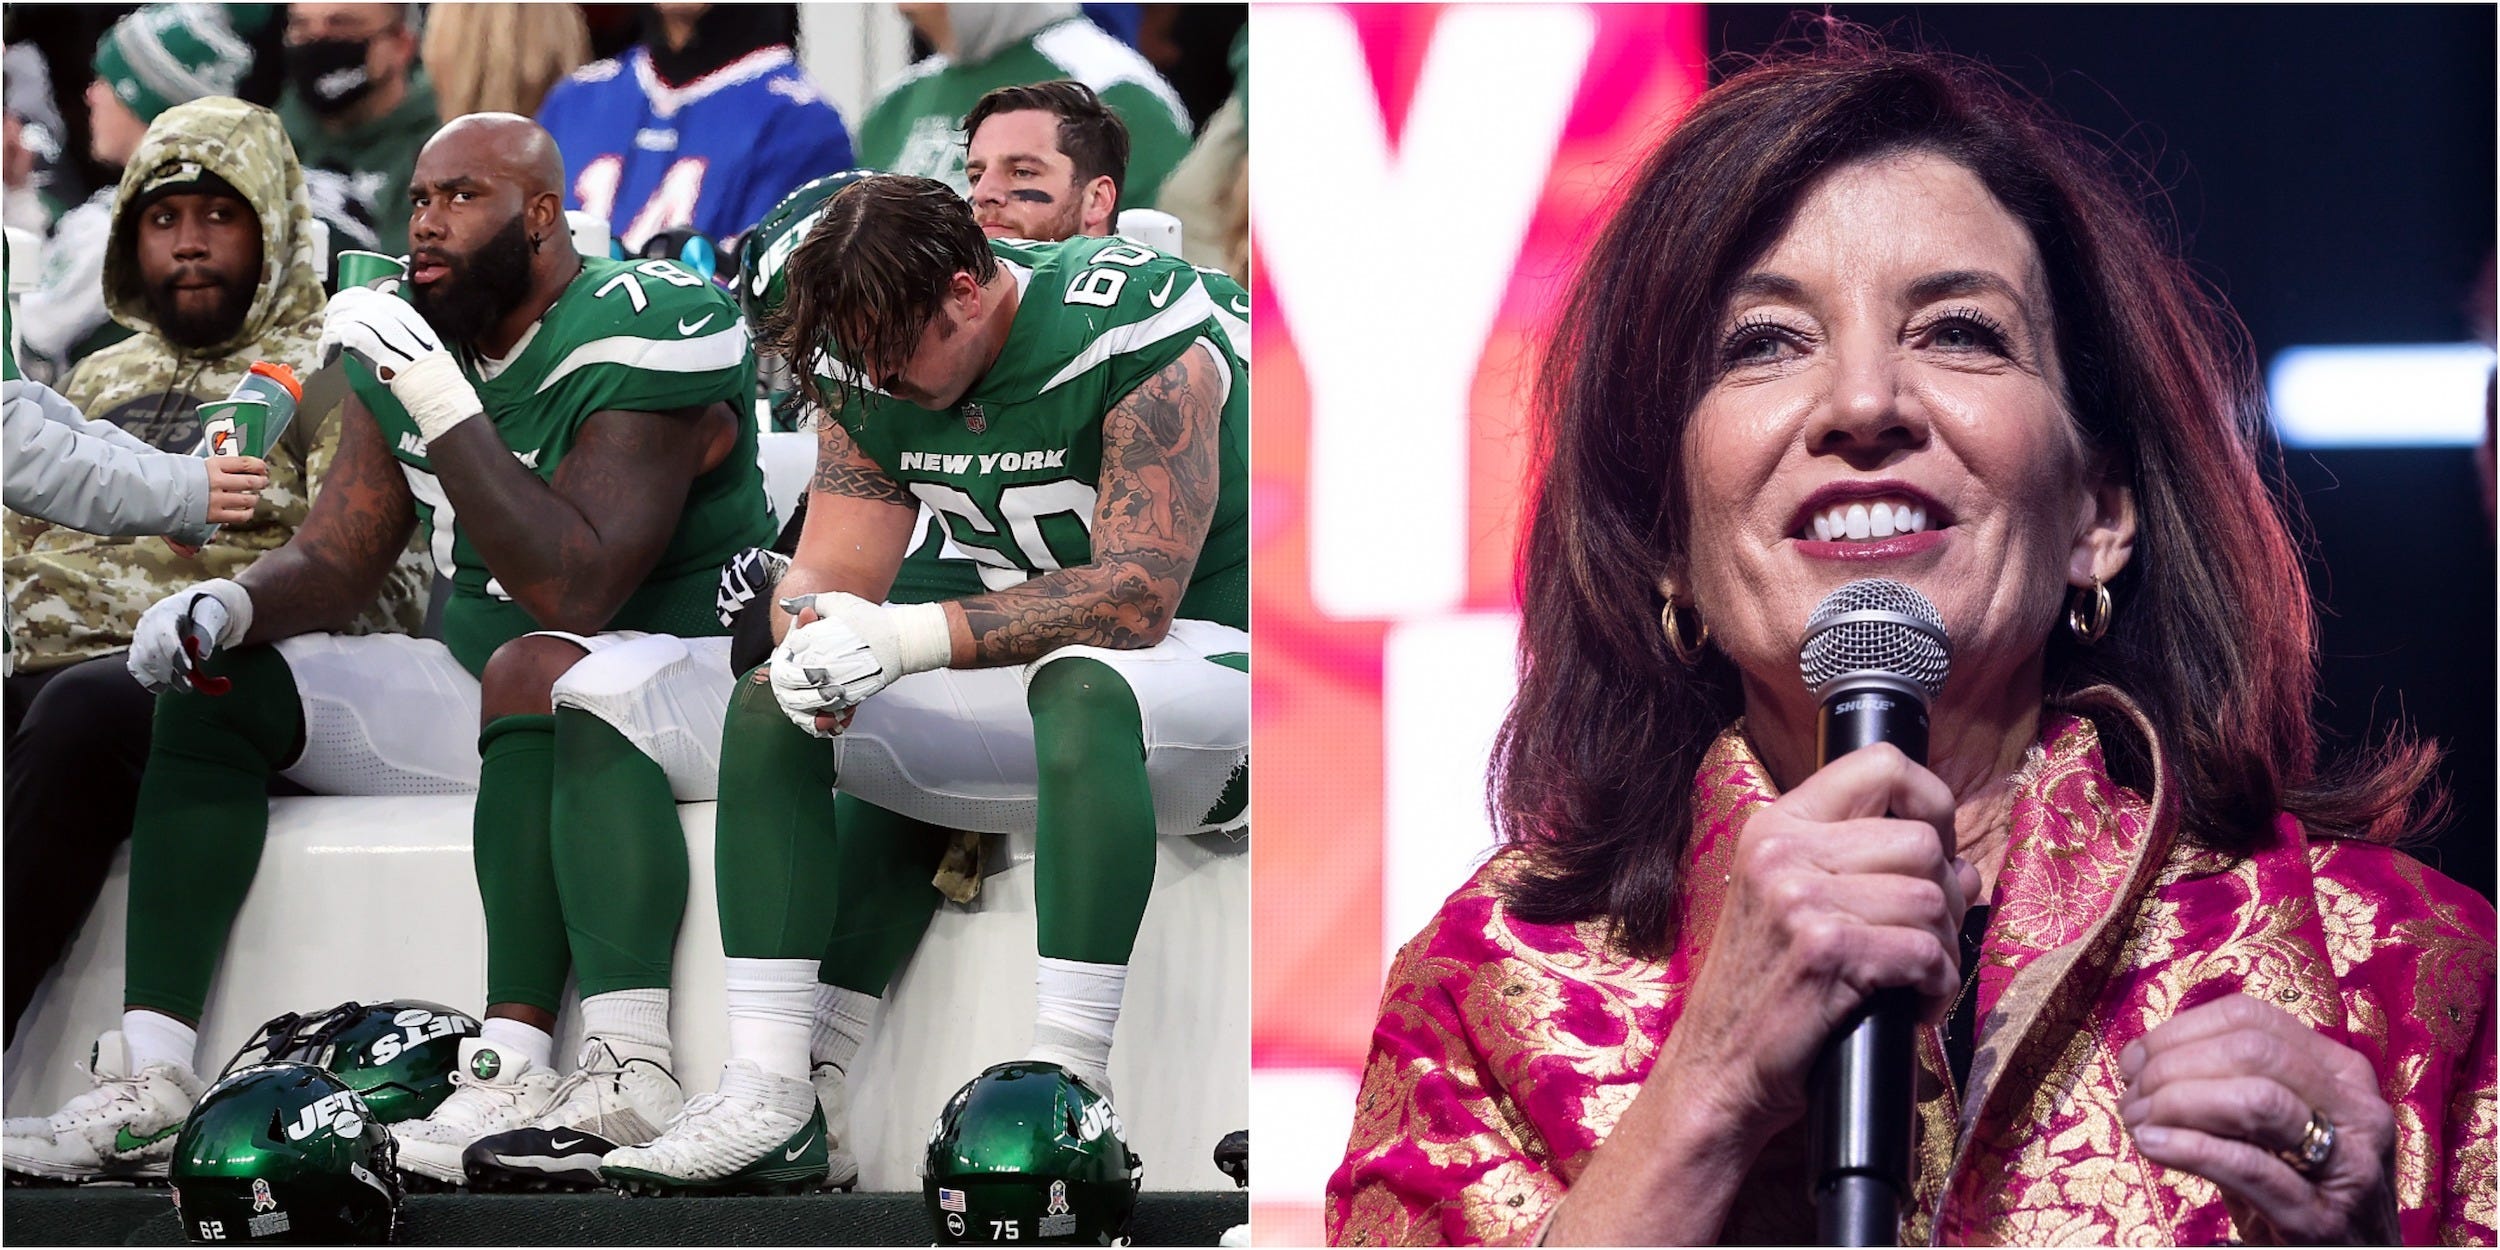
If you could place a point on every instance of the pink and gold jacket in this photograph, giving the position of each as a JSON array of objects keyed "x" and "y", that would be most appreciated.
[{"x": 1507, "y": 1050}]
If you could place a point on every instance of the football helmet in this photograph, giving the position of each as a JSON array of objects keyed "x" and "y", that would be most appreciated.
[
  {"x": 399, "y": 1055},
  {"x": 764, "y": 251},
  {"x": 285, "y": 1152},
  {"x": 1027, "y": 1153}
]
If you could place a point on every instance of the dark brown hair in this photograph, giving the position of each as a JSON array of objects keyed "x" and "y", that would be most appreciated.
[
  {"x": 2213, "y": 637},
  {"x": 872, "y": 272},
  {"x": 1091, "y": 136}
]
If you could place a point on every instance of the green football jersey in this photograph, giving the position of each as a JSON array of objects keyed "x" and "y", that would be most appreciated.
[
  {"x": 1011, "y": 473},
  {"x": 1232, "y": 308},
  {"x": 935, "y": 569},
  {"x": 644, "y": 336}
]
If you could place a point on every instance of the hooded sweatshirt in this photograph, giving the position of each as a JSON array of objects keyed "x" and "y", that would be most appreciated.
[
  {"x": 916, "y": 125},
  {"x": 74, "y": 596}
]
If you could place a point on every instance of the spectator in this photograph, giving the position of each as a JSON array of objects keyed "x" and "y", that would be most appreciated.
[
  {"x": 210, "y": 260},
  {"x": 358, "y": 104},
  {"x": 34, "y": 141},
  {"x": 150, "y": 61},
  {"x": 704, "y": 125},
  {"x": 501, "y": 58},
  {"x": 916, "y": 127},
  {"x": 1206, "y": 191}
]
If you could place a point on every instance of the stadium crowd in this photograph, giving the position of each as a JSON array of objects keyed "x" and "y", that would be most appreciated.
[{"x": 1012, "y": 597}]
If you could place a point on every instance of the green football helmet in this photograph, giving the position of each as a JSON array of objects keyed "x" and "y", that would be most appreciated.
[
  {"x": 1027, "y": 1153},
  {"x": 285, "y": 1152},
  {"x": 399, "y": 1055},
  {"x": 764, "y": 251}
]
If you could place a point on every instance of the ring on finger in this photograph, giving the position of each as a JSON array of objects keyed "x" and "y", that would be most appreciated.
[{"x": 2317, "y": 1141}]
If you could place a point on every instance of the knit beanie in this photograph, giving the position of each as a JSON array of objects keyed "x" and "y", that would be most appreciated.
[{"x": 169, "y": 54}]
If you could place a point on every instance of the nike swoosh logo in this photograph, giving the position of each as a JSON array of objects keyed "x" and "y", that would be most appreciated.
[
  {"x": 549, "y": 1163},
  {"x": 126, "y": 1141},
  {"x": 1241, "y": 306},
  {"x": 558, "y": 1143},
  {"x": 1163, "y": 292},
  {"x": 795, "y": 1151},
  {"x": 684, "y": 327}
]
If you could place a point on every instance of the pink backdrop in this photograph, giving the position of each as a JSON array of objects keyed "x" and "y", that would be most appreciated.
[{"x": 1426, "y": 177}]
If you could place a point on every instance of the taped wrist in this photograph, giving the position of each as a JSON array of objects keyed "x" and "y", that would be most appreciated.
[
  {"x": 237, "y": 602},
  {"x": 922, "y": 640},
  {"x": 435, "y": 394}
]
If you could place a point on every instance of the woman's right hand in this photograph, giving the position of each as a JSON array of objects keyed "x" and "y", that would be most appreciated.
[
  {"x": 1829, "y": 899},
  {"x": 234, "y": 487}
]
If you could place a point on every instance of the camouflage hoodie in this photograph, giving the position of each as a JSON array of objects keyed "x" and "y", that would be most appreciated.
[{"x": 73, "y": 596}]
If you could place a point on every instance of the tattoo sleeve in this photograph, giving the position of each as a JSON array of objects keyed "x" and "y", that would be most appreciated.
[
  {"x": 572, "y": 550},
  {"x": 354, "y": 532},
  {"x": 1155, "y": 501}
]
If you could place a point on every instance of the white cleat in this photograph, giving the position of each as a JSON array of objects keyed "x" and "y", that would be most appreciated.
[
  {"x": 122, "y": 1130},
  {"x": 834, "y": 1095},
  {"x": 760, "y": 1133},
  {"x": 619, "y": 1095},
  {"x": 495, "y": 1090}
]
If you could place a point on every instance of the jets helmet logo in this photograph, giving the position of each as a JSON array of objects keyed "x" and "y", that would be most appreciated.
[
  {"x": 417, "y": 1026},
  {"x": 342, "y": 1113},
  {"x": 262, "y": 1199},
  {"x": 1099, "y": 1118}
]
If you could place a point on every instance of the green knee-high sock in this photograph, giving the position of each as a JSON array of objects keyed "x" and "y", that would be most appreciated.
[
  {"x": 804, "y": 874},
  {"x": 526, "y": 956},
  {"x": 883, "y": 898},
  {"x": 620, "y": 857},
  {"x": 773, "y": 837},
  {"x": 1094, "y": 853},
  {"x": 203, "y": 813}
]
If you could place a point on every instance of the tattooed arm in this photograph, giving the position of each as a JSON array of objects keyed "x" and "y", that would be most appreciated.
[
  {"x": 354, "y": 532},
  {"x": 1155, "y": 502},
  {"x": 858, "y": 527},
  {"x": 572, "y": 550}
]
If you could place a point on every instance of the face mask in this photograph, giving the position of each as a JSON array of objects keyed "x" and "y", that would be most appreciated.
[{"x": 330, "y": 73}]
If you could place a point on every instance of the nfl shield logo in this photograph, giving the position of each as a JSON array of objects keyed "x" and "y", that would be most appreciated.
[
  {"x": 975, "y": 420},
  {"x": 1058, "y": 1198},
  {"x": 262, "y": 1199}
]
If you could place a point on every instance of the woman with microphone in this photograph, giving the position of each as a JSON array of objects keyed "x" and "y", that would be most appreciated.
[{"x": 1869, "y": 314}]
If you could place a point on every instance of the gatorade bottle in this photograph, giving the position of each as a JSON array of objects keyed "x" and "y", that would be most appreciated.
[{"x": 272, "y": 385}]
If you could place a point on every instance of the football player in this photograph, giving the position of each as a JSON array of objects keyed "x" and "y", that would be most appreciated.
[
  {"x": 1046, "y": 161},
  {"x": 572, "y": 436},
  {"x": 1074, "y": 414}
]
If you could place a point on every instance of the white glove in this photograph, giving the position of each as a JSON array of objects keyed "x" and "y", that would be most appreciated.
[
  {"x": 404, "y": 352},
  {"x": 210, "y": 615},
  {"x": 858, "y": 649}
]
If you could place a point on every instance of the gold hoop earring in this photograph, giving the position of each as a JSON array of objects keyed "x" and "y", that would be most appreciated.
[
  {"x": 1690, "y": 653},
  {"x": 2089, "y": 617}
]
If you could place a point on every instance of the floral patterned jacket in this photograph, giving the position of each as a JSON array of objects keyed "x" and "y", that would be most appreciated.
[{"x": 1507, "y": 1050}]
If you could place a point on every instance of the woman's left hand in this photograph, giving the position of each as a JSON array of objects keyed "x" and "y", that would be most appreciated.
[{"x": 2221, "y": 1089}]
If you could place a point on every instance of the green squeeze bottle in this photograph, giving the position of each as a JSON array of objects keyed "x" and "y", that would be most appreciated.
[{"x": 249, "y": 420}]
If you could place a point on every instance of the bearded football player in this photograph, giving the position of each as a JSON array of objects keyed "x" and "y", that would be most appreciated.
[
  {"x": 571, "y": 434},
  {"x": 1074, "y": 414}
]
